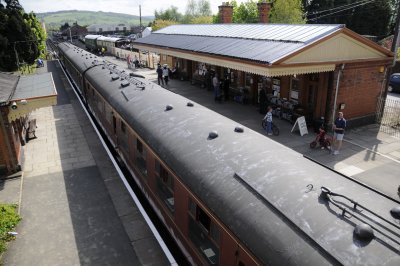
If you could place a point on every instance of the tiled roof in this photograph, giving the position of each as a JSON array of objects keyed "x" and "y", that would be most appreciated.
[{"x": 8, "y": 83}]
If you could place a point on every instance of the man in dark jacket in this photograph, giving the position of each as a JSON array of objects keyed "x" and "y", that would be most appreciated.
[{"x": 160, "y": 75}]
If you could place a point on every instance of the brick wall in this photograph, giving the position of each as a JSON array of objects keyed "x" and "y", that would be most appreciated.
[
  {"x": 8, "y": 156},
  {"x": 225, "y": 13},
  {"x": 359, "y": 89},
  {"x": 3, "y": 152},
  {"x": 263, "y": 11}
]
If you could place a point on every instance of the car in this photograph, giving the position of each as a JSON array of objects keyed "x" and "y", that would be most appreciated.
[{"x": 394, "y": 83}]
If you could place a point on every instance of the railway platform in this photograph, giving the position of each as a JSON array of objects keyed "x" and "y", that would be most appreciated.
[
  {"x": 75, "y": 209},
  {"x": 367, "y": 155}
]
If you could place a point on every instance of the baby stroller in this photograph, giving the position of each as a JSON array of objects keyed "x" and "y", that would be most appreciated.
[{"x": 322, "y": 139}]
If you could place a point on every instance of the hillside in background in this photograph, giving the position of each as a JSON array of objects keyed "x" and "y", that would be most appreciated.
[{"x": 54, "y": 20}]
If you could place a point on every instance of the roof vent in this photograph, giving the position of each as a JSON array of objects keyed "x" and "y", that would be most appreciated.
[
  {"x": 114, "y": 77},
  {"x": 125, "y": 83},
  {"x": 325, "y": 193},
  {"x": 212, "y": 135},
  {"x": 364, "y": 232},
  {"x": 103, "y": 67},
  {"x": 190, "y": 104},
  {"x": 169, "y": 107},
  {"x": 395, "y": 212},
  {"x": 239, "y": 129}
]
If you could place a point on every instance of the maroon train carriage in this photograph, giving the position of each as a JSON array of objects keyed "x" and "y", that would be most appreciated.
[{"x": 228, "y": 195}]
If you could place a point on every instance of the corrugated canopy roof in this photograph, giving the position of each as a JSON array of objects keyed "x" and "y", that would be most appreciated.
[
  {"x": 303, "y": 33},
  {"x": 263, "y": 43}
]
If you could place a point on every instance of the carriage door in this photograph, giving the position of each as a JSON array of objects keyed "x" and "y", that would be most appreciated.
[
  {"x": 114, "y": 136},
  {"x": 114, "y": 126},
  {"x": 312, "y": 92}
]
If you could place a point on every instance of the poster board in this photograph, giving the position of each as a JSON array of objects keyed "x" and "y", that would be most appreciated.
[{"x": 301, "y": 123}]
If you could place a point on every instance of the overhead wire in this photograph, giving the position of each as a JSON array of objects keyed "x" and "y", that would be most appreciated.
[
  {"x": 357, "y": 4},
  {"x": 338, "y": 7}
]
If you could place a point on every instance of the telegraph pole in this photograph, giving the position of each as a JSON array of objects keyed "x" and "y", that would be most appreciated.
[
  {"x": 140, "y": 16},
  {"x": 396, "y": 35},
  {"x": 16, "y": 56}
]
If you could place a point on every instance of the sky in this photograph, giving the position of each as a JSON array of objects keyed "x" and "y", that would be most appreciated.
[{"x": 130, "y": 7}]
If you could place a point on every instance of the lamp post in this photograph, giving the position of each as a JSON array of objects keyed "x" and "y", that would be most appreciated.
[
  {"x": 16, "y": 56},
  {"x": 70, "y": 36}
]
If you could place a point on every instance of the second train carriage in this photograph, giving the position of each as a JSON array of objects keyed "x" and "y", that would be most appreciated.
[
  {"x": 90, "y": 42},
  {"x": 227, "y": 194}
]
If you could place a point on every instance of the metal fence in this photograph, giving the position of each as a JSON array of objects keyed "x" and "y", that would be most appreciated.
[{"x": 388, "y": 116}]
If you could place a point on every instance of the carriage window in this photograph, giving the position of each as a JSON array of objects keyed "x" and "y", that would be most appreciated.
[
  {"x": 108, "y": 111},
  {"x": 141, "y": 157},
  {"x": 204, "y": 233},
  {"x": 123, "y": 138},
  {"x": 100, "y": 105},
  {"x": 123, "y": 127},
  {"x": 165, "y": 186}
]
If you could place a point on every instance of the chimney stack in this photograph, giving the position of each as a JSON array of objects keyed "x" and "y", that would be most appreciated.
[
  {"x": 225, "y": 13},
  {"x": 263, "y": 11}
]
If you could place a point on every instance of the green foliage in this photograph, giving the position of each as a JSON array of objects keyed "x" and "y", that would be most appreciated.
[
  {"x": 64, "y": 27},
  {"x": 21, "y": 37},
  {"x": 54, "y": 20},
  {"x": 196, "y": 13},
  {"x": 195, "y": 10},
  {"x": 245, "y": 13},
  {"x": 202, "y": 20},
  {"x": 374, "y": 18},
  {"x": 8, "y": 221},
  {"x": 287, "y": 12},
  {"x": 171, "y": 13},
  {"x": 159, "y": 24}
]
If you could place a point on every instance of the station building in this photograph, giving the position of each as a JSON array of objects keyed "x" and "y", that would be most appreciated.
[
  {"x": 306, "y": 70},
  {"x": 19, "y": 96}
]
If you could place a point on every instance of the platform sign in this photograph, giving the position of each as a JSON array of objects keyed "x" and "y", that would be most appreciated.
[{"x": 301, "y": 123}]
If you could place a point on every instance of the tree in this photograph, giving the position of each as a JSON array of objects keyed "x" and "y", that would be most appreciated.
[
  {"x": 21, "y": 36},
  {"x": 370, "y": 18},
  {"x": 245, "y": 12},
  {"x": 202, "y": 20},
  {"x": 169, "y": 14},
  {"x": 191, "y": 8},
  {"x": 159, "y": 24},
  {"x": 64, "y": 27},
  {"x": 287, "y": 11},
  {"x": 203, "y": 8},
  {"x": 194, "y": 9}
]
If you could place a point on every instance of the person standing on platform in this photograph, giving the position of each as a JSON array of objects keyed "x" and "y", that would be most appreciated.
[
  {"x": 268, "y": 119},
  {"x": 215, "y": 82},
  {"x": 165, "y": 73},
  {"x": 160, "y": 75},
  {"x": 338, "y": 128},
  {"x": 226, "y": 87}
]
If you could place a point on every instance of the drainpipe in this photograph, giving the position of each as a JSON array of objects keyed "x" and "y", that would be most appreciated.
[{"x": 336, "y": 93}]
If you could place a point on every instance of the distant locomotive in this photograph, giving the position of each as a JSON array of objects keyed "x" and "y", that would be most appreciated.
[
  {"x": 228, "y": 195},
  {"x": 99, "y": 42}
]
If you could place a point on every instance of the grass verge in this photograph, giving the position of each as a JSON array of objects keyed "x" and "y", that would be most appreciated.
[{"x": 8, "y": 221}]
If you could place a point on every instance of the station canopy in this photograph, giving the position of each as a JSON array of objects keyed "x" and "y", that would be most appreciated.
[{"x": 265, "y": 49}]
